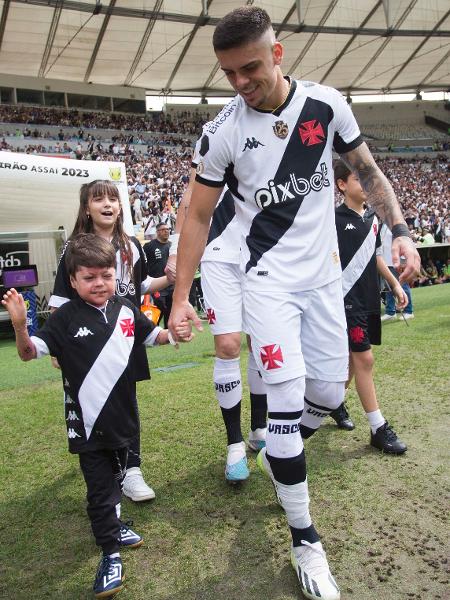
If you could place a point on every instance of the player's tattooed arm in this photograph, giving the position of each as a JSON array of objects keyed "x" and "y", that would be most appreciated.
[
  {"x": 379, "y": 191},
  {"x": 381, "y": 197}
]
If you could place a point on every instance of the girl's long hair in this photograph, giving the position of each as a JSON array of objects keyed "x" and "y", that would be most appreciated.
[{"x": 83, "y": 224}]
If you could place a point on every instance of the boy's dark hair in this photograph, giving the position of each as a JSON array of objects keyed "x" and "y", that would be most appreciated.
[
  {"x": 89, "y": 250},
  {"x": 158, "y": 227},
  {"x": 341, "y": 171},
  {"x": 241, "y": 26}
]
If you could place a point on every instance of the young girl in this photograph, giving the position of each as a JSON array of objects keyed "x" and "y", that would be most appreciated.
[{"x": 100, "y": 212}]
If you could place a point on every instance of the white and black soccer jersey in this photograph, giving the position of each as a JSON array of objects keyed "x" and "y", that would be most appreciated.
[
  {"x": 358, "y": 238},
  {"x": 224, "y": 238},
  {"x": 94, "y": 349},
  {"x": 126, "y": 287},
  {"x": 278, "y": 166}
]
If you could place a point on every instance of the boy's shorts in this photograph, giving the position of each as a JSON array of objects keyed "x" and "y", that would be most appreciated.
[{"x": 363, "y": 331}]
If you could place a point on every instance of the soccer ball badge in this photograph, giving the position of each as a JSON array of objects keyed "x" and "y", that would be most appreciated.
[{"x": 280, "y": 129}]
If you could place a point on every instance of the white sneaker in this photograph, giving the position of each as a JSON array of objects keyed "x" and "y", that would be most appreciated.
[
  {"x": 311, "y": 565},
  {"x": 408, "y": 315},
  {"x": 387, "y": 317},
  {"x": 257, "y": 439},
  {"x": 134, "y": 486}
]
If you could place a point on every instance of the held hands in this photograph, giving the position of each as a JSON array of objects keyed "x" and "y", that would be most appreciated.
[
  {"x": 181, "y": 317},
  {"x": 15, "y": 305},
  {"x": 409, "y": 264}
]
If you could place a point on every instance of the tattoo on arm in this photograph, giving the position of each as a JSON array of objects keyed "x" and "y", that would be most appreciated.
[{"x": 379, "y": 191}]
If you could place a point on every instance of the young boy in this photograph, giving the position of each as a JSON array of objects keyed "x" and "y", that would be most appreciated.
[
  {"x": 93, "y": 337},
  {"x": 358, "y": 238}
]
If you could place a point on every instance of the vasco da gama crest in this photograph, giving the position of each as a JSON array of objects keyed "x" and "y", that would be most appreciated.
[{"x": 280, "y": 129}]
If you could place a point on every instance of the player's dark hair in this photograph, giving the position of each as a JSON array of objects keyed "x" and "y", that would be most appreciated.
[
  {"x": 342, "y": 172},
  {"x": 89, "y": 250},
  {"x": 83, "y": 224},
  {"x": 241, "y": 26}
]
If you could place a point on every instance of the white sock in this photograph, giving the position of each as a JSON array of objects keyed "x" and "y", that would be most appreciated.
[
  {"x": 118, "y": 509},
  {"x": 228, "y": 381},
  {"x": 376, "y": 420},
  {"x": 235, "y": 452},
  {"x": 114, "y": 555}
]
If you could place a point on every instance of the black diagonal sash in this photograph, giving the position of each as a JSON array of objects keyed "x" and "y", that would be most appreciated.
[
  {"x": 222, "y": 216},
  {"x": 273, "y": 222}
]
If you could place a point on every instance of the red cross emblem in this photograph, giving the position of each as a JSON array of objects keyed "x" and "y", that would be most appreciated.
[
  {"x": 271, "y": 356},
  {"x": 356, "y": 335},
  {"x": 211, "y": 316},
  {"x": 311, "y": 132},
  {"x": 127, "y": 326},
  {"x": 375, "y": 228}
]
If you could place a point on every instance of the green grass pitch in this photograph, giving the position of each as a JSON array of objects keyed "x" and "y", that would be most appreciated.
[{"x": 383, "y": 519}]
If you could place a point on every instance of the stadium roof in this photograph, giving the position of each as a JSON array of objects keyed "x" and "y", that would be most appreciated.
[{"x": 164, "y": 46}]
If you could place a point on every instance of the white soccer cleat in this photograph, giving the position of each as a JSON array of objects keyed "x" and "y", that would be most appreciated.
[
  {"x": 236, "y": 468},
  {"x": 134, "y": 486},
  {"x": 257, "y": 439},
  {"x": 311, "y": 565}
]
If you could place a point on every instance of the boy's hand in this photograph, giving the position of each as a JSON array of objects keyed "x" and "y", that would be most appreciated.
[
  {"x": 184, "y": 332},
  {"x": 401, "y": 299},
  {"x": 15, "y": 305}
]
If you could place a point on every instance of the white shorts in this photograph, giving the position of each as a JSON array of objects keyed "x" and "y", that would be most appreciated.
[
  {"x": 299, "y": 333},
  {"x": 222, "y": 293}
]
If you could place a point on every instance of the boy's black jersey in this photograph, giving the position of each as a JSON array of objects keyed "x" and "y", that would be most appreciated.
[
  {"x": 94, "y": 349},
  {"x": 358, "y": 239},
  {"x": 126, "y": 287}
]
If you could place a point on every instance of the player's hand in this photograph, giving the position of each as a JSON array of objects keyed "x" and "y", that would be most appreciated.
[
  {"x": 409, "y": 265},
  {"x": 401, "y": 299},
  {"x": 171, "y": 268},
  {"x": 182, "y": 316},
  {"x": 15, "y": 305}
]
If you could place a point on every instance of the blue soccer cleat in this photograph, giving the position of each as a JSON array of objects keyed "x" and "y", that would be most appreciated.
[
  {"x": 128, "y": 537},
  {"x": 109, "y": 578},
  {"x": 236, "y": 469}
]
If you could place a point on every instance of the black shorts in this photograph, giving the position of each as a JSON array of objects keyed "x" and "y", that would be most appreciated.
[{"x": 363, "y": 331}]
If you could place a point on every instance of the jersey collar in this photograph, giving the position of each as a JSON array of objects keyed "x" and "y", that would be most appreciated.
[{"x": 279, "y": 110}]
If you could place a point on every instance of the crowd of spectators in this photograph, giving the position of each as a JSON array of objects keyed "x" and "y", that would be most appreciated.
[
  {"x": 157, "y": 170},
  {"x": 182, "y": 122}
]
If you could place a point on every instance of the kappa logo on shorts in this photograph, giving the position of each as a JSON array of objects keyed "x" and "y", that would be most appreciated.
[
  {"x": 211, "y": 316},
  {"x": 272, "y": 357},
  {"x": 311, "y": 132},
  {"x": 127, "y": 326},
  {"x": 356, "y": 334},
  {"x": 349, "y": 226}
]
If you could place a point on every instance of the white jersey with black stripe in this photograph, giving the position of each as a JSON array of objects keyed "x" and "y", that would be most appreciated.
[
  {"x": 224, "y": 236},
  {"x": 278, "y": 166}
]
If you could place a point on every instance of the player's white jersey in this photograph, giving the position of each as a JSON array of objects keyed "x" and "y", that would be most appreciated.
[
  {"x": 224, "y": 237},
  {"x": 278, "y": 166}
]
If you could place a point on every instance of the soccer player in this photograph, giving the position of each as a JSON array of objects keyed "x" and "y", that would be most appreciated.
[
  {"x": 100, "y": 212},
  {"x": 93, "y": 337},
  {"x": 272, "y": 145},
  {"x": 359, "y": 241},
  {"x": 222, "y": 292}
]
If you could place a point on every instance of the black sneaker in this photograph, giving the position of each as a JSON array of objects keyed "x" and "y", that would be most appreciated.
[
  {"x": 128, "y": 537},
  {"x": 109, "y": 578},
  {"x": 342, "y": 418},
  {"x": 386, "y": 440}
]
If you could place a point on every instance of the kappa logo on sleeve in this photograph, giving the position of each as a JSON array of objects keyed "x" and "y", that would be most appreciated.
[
  {"x": 272, "y": 357},
  {"x": 127, "y": 326}
]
